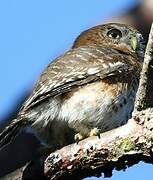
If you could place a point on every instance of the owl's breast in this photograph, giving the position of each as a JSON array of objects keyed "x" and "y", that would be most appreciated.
[{"x": 99, "y": 104}]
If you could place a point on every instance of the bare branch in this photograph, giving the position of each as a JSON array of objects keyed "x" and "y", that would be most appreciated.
[
  {"x": 114, "y": 149},
  {"x": 142, "y": 90}
]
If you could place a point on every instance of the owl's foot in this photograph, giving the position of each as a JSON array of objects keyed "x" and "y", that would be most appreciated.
[
  {"x": 95, "y": 132},
  {"x": 78, "y": 137}
]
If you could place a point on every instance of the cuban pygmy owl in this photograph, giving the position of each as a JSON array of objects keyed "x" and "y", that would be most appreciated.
[{"x": 88, "y": 90}]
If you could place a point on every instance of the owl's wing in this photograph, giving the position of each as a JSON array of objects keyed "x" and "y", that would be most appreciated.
[{"x": 76, "y": 67}]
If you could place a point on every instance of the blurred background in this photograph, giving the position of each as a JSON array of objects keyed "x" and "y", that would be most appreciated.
[{"x": 35, "y": 32}]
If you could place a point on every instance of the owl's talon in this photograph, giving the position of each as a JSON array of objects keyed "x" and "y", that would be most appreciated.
[
  {"x": 78, "y": 137},
  {"x": 95, "y": 132}
]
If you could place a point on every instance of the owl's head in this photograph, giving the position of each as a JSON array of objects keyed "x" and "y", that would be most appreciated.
[{"x": 113, "y": 35}]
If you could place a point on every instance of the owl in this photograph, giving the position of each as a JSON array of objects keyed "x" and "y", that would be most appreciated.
[{"x": 86, "y": 91}]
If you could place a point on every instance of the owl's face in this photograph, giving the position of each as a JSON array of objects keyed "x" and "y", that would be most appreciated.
[{"x": 118, "y": 36}]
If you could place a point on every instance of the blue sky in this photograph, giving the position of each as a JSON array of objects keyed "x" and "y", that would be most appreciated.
[
  {"x": 139, "y": 171},
  {"x": 33, "y": 32}
]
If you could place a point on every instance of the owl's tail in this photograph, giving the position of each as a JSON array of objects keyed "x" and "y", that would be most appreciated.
[{"x": 11, "y": 131}]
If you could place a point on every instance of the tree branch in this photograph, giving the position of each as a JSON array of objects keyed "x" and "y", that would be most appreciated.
[
  {"x": 141, "y": 97},
  {"x": 116, "y": 148}
]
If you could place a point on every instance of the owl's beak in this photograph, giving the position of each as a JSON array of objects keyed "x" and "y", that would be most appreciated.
[{"x": 133, "y": 42}]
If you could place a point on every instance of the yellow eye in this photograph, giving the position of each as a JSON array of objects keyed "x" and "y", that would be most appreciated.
[{"x": 114, "y": 34}]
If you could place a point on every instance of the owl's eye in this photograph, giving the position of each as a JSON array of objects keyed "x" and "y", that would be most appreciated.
[{"x": 114, "y": 34}]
